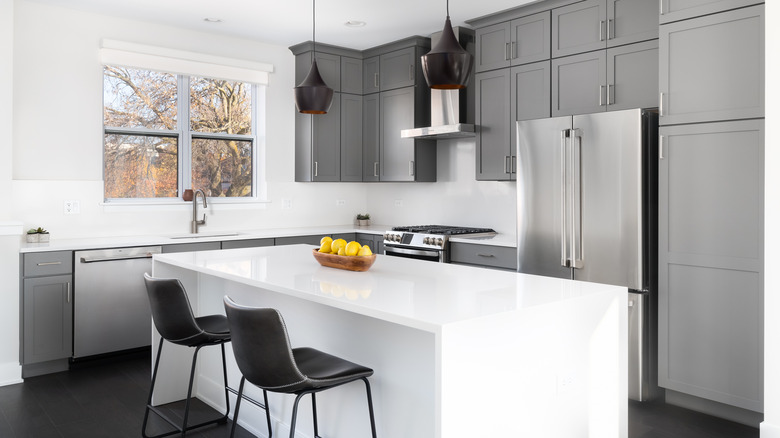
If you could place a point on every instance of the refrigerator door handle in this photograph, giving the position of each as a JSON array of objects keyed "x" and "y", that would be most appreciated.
[
  {"x": 564, "y": 234},
  {"x": 576, "y": 200}
]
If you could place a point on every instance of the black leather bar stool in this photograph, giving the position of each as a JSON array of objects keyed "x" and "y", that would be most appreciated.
[
  {"x": 263, "y": 353},
  {"x": 173, "y": 318}
]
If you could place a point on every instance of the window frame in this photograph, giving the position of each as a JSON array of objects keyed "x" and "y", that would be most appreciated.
[{"x": 184, "y": 136}]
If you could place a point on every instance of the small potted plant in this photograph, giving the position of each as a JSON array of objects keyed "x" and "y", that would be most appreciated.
[
  {"x": 36, "y": 235},
  {"x": 363, "y": 220}
]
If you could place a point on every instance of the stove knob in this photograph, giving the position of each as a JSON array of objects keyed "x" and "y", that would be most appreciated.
[
  {"x": 397, "y": 237},
  {"x": 386, "y": 236},
  {"x": 427, "y": 240},
  {"x": 440, "y": 241}
]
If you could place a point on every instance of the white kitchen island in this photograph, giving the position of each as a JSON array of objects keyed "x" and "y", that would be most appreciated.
[{"x": 457, "y": 351}]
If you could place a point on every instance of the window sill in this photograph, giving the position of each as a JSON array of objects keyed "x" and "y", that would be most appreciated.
[{"x": 178, "y": 204}]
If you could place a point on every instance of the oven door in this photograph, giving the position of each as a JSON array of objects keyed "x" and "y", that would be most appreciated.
[{"x": 431, "y": 255}]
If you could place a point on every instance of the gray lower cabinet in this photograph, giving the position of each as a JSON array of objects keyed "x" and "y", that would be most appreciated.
[
  {"x": 486, "y": 256},
  {"x": 187, "y": 247},
  {"x": 351, "y": 150},
  {"x": 47, "y": 319},
  {"x": 520, "y": 41},
  {"x": 606, "y": 80},
  {"x": 371, "y": 75},
  {"x": 295, "y": 240},
  {"x": 247, "y": 243},
  {"x": 404, "y": 159},
  {"x": 318, "y": 144},
  {"x": 599, "y": 24},
  {"x": 351, "y": 75},
  {"x": 371, "y": 137},
  {"x": 712, "y": 67},
  {"x": 492, "y": 118},
  {"x": 710, "y": 333},
  {"x": 676, "y": 10},
  {"x": 374, "y": 241}
]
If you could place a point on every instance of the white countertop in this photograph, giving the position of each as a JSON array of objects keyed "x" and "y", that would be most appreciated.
[
  {"x": 422, "y": 295},
  {"x": 215, "y": 236}
]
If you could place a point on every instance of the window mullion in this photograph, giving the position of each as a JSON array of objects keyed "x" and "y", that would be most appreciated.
[{"x": 185, "y": 137}]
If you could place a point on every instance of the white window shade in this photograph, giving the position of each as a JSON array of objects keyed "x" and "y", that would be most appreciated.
[{"x": 134, "y": 55}]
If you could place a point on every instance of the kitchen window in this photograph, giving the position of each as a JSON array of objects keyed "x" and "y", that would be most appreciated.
[{"x": 164, "y": 133}]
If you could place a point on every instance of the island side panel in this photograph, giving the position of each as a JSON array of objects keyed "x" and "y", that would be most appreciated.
[
  {"x": 403, "y": 386},
  {"x": 557, "y": 370}
]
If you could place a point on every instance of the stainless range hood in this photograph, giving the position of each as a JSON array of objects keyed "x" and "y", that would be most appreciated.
[{"x": 450, "y": 109}]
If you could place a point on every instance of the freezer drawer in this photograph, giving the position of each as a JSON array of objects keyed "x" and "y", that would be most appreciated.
[{"x": 111, "y": 309}]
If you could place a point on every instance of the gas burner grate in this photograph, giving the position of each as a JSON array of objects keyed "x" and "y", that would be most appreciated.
[{"x": 443, "y": 229}]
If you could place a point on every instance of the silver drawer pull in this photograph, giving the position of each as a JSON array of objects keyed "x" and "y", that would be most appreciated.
[
  {"x": 49, "y": 263},
  {"x": 485, "y": 255}
]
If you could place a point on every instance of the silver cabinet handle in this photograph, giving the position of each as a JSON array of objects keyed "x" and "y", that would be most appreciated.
[
  {"x": 601, "y": 95},
  {"x": 506, "y": 164},
  {"x": 411, "y": 72},
  {"x": 610, "y": 29},
  {"x": 376, "y": 80},
  {"x": 49, "y": 263},
  {"x": 512, "y": 51},
  {"x": 576, "y": 200},
  {"x": 660, "y": 147},
  {"x": 67, "y": 300},
  {"x": 485, "y": 255},
  {"x": 411, "y": 168},
  {"x": 601, "y": 30},
  {"x": 564, "y": 256},
  {"x": 660, "y": 7},
  {"x": 513, "y": 169},
  {"x": 376, "y": 168},
  {"x": 316, "y": 168},
  {"x": 506, "y": 52},
  {"x": 610, "y": 94},
  {"x": 661, "y": 104}
]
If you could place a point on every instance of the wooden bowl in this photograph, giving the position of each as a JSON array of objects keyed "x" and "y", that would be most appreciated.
[{"x": 349, "y": 263}]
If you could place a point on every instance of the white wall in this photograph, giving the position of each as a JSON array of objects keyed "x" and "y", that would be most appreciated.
[{"x": 770, "y": 428}]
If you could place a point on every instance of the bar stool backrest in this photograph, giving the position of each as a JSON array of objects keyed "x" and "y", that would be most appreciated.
[
  {"x": 171, "y": 310},
  {"x": 262, "y": 348}
]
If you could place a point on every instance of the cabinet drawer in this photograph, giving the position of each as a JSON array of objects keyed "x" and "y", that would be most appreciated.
[
  {"x": 484, "y": 255},
  {"x": 48, "y": 263}
]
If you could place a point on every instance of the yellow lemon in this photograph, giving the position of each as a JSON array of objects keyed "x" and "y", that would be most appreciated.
[
  {"x": 325, "y": 239},
  {"x": 338, "y": 243},
  {"x": 342, "y": 251},
  {"x": 365, "y": 251},
  {"x": 352, "y": 248},
  {"x": 325, "y": 247}
]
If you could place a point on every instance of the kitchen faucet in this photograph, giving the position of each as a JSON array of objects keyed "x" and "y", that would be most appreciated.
[{"x": 195, "y": 221}]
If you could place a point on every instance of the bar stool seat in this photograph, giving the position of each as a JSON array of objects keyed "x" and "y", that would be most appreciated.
[
  {"x": 265, "y": 358},
  {"x": 173, "y": 319}
]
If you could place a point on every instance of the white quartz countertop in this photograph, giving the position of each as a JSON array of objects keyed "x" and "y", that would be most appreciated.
[
  {"x": 216, "y": 236},
  {"x": 413, "y": 293}
]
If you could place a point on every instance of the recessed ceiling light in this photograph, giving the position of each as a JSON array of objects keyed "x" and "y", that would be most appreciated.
[
  {"x": 212, "y": 20},
  {"x": 355, "y": 23}
]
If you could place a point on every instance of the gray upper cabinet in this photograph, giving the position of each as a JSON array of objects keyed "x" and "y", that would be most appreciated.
[
  {"x": 371, "y": 137},
  {"x": 530, "y": 91},
  {"x": 606, "y": 80},
  {"x": 580, "y": 27},
  {"x": 328, "y": 65},
  {"x": 631, "y": 21},
  {"x": 351, "y": 75},
  {"x": 404, "y": 159},
  {"x": 710, "y": 250},
  {"x": 492, "y": 117},
  {"x": 351, "y": 137},
  {"x": 675, "y": 10},
  {"x": 318, "y": 144},
  {"x": 712, "y": 67},
  {"x": 397, "y": 69},
  {"x": 371, "y": 75},
  {"x": 521, "y": 41}
]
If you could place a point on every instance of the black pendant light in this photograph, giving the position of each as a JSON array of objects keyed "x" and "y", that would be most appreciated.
[
  {"x": 447, "y": 65},
  {"x": 312, "y": 96}
]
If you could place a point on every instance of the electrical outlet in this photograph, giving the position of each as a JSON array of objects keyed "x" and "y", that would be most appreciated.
[
  {"x": 286, "y": 204},
  {"x": 399, "y": 203},
  {"x": 341, "y": 202},
  {"x": 71, "y": 207}
]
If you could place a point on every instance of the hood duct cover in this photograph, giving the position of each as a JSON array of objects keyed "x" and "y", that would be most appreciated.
[{"x": 450, "y": 109}]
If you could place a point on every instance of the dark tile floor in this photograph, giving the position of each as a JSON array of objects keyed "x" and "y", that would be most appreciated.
[{"x": 107, "y": 399}]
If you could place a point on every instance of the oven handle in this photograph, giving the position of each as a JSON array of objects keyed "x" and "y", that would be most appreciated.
[{"x": 418, "y": 252}]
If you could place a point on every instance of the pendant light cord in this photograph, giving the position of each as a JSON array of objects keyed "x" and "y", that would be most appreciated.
[
  {"x": 313, "y": 27},
  {"x": 448, "y": 8}
]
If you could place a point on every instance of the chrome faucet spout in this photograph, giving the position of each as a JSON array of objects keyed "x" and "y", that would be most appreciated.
[{"x": 195, "y": 222}]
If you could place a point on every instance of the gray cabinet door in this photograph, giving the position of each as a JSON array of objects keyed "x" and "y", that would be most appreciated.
[
  {"x": 675, "y": 10},
  {"x": 188, "y": 247},
  {"x": 530, "y": 38},
  {"x": 371, "y": 137},
  {"x": 351, "y": 137},
  {"x": 328, "y": 65},
  {"x": 578, "y": 28},
  {"x": 48, "y": 319},
  {"x": 247, "y": 243},
  {"x": 579, "y": 84},
  {"x": 492, "y": 47},
  {"x": 326, "y": 143},
  {"x": 530, "y": 91},
  {"x": 492, "y": 117},
  {"x": 396, "y": 109},
  {"x": 295, "y": 240},
  {"x": 632, "y": 76},
  {"x": 371, "y": 75},
  {"x": 631, "y": 21},
  {"x": 397, "y": 69},
  {"x": 712, "y": 67},
  {"x": 351, "y": 75},
  {"x": 710, "y": 249}
]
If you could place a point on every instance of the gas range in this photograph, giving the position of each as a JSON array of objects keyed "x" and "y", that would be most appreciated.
[{"x": 427, "y": 242}]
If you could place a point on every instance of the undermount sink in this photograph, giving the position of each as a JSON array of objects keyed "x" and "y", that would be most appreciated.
[{"x": 203, "y": 235}]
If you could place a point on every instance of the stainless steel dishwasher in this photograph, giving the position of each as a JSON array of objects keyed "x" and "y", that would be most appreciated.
[{"x": 111, "y": 309}]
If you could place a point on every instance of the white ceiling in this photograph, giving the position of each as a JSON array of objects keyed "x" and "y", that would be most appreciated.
[{"x": 288, "y": 22}]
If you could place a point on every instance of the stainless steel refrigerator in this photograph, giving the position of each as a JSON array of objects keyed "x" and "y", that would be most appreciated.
[{"x": 587, "y": 208}]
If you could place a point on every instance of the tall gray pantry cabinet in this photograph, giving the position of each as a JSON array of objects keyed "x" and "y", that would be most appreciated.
[{"x": 711, "y": 159}]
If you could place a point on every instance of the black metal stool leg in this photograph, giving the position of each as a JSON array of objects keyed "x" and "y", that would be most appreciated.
[
  {"x": 370, "y": 407},
  {"x": 238, "y": 406},
  {"x": 151, "y": 389},
  {"x": 189, "y": 392},
  {"x": 225, "y": 381},
  {"x": 314, "y": 413},
  {"x": 295, "y": 414},
  {"x": 267, "y": 413}
]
